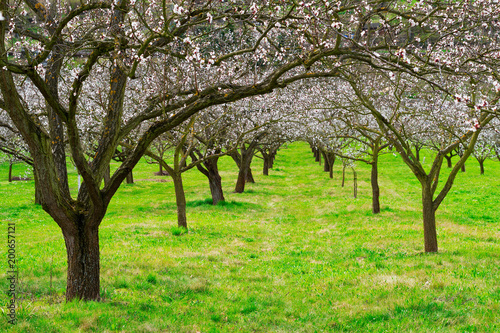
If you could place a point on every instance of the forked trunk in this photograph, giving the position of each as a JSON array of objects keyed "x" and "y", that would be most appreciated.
[
  {"x": 375, "y": 188},
  {"x": 429, "y": 219},
  {"x": 448, "y": 161},
  {"x": 82, "y": 248},
  {"x": 180, "y": 200},
  {"x": 481, "y": 165}
]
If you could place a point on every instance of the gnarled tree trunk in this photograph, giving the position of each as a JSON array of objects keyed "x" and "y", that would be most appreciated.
[{"x": 82, "y": 246}]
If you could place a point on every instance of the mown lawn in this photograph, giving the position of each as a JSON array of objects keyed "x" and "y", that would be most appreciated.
[{"x": 294, "y": 253}]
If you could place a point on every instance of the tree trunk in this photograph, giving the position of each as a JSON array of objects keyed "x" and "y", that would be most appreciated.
[
  {"x": 375, "y": 187},
  {"x": 317, "y": 156},
  {"x": 265, "y": 170},
  {"x": 249, "y": 176},
  {"x": 38, "y": 191},
  {"x": 130, "y": 177},
  {"x": 448, "y": 160},
  {"x": 180, "y": 200},
  {"x": 343, "y": 176},
  {"x": 82, "y": 248},
  {"x": 215, "y": 182},
  {"x": 463, "y": 168},
  {"x": 429, "y": 219},
  {"x": 240, "y": 182},
  {"x": 481, "y": 165},
  {"x": 326, "y": 164},
  {"x": 10, "y": 172},
  {"x": 417, "y": 153}
]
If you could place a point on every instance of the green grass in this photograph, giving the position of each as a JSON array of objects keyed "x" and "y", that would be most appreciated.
[{"x": 294, "y": 253}]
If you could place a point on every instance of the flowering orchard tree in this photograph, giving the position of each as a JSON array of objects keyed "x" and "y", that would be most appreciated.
[
  {"x": 463, "y": 115},
  {"x": 485, "y": 145},
  {"x": 194, "y": 55}
]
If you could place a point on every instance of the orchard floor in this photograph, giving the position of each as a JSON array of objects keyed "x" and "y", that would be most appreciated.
[{"x": 294, "y": 253}]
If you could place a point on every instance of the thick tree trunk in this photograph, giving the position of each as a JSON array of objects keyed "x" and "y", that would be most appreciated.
[
  {"x": 463, "y": 168},
  {"x": 215, "y": 181},
  {"x": 10, "y": 172},
  {"x": 317, "y": 155},
  {"x": 82, "y": 248},
  {"x": 249, "y": 175},
  {"x": 38, "y": 191},
  {"x": 180, "y": 200},
  {"x": 240, "y": 182},
  {"x": 481, "y": 166},
  {"x": 375, "y": 187},
  {"x": 130, "y": 177},
  {"x": 245, "y": 172},
  {"x": 326, "y": 162},
  {"x": 265, "y": 169},
  {"x": 330, "y": 157},
  {"x": 429, "y": 219},
  {"x": 107, "y": 175}
]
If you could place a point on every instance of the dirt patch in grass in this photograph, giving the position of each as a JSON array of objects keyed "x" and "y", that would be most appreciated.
[{"x": 154, "y": 180}]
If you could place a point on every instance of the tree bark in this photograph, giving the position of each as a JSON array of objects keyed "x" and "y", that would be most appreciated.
[
  {"x": 448, "y": 160},
  {"x": 130, "y": 177},
  {"x": 417, "y": 153},
  {"x": 10, "y": 172},
  {"x": 429, "y": 219},
  {"x": 180, "y": 200},
  {"x": 249, "y": 175},
  {"x": 481, "y": 165},
  {"x": 265, "y": 169},
  {"x": 38, "y": 191},
  {"x": 326, "y": 163},
  {"x": 82, "y": 246},
  {"x": 215, "y": 181},
  {"x": 375, "y": 187}
]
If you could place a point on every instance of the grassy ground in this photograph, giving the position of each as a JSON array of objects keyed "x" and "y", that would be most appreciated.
[{"x": 294, "y": 253}]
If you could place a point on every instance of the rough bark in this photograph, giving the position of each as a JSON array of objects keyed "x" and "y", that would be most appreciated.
[
  {"x": 326, "y": 163},
  {"x": 82, "y": 246},
  {"x": 130, "y": 177},
  {"x": 215, "y": 181},
  {"x": 265, "y": 169},
  {"x": 180, "y": 200},
  {"x": 429, "y": 219},
  {"x": 375, "y": 187}
]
